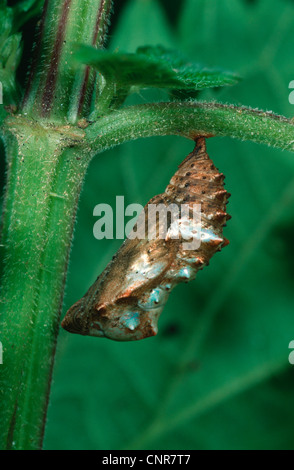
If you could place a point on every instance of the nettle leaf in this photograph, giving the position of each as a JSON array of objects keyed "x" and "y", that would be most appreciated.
[
  {"x": 153, "y": 67},
  {"x": 189, "y": 75}
]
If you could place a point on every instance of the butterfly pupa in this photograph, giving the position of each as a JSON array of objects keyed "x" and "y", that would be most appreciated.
[{"x": 126, "y": 300}]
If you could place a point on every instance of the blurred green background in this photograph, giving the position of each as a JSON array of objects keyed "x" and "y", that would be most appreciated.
[{"x": 217, "y": 376}]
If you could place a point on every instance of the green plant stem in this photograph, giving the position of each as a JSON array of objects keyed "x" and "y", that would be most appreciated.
[
  {"x": 189, "y": 119},
  {"x": 41, "y": 200},
  {"x": 45, "y": 171},
  {"x": 57, "y": 89}
]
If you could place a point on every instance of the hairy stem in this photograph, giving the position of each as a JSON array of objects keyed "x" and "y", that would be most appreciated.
[
  {"x": 41, "y": 200},
  {"x": 189, "y": 119},
  {"x": 57, "y": 89},
  {"x": 45, "y": 171}
]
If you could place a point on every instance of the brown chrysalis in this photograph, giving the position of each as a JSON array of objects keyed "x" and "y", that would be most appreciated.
[{"x": 126, "y": 300}]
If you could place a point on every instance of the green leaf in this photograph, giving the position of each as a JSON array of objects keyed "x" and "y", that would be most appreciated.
[
  {"x": 6, "y": 22},
  {"x": 24, "y": 10},
  {"x": 153, "y": 67},
  {"x": 12, "y": 18},
  {"x": 10, "y": 54},
  {"x": 26, "y": 5},
  {"x": 187, "y": 74},
  {"x": 3, "y": 114}
]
